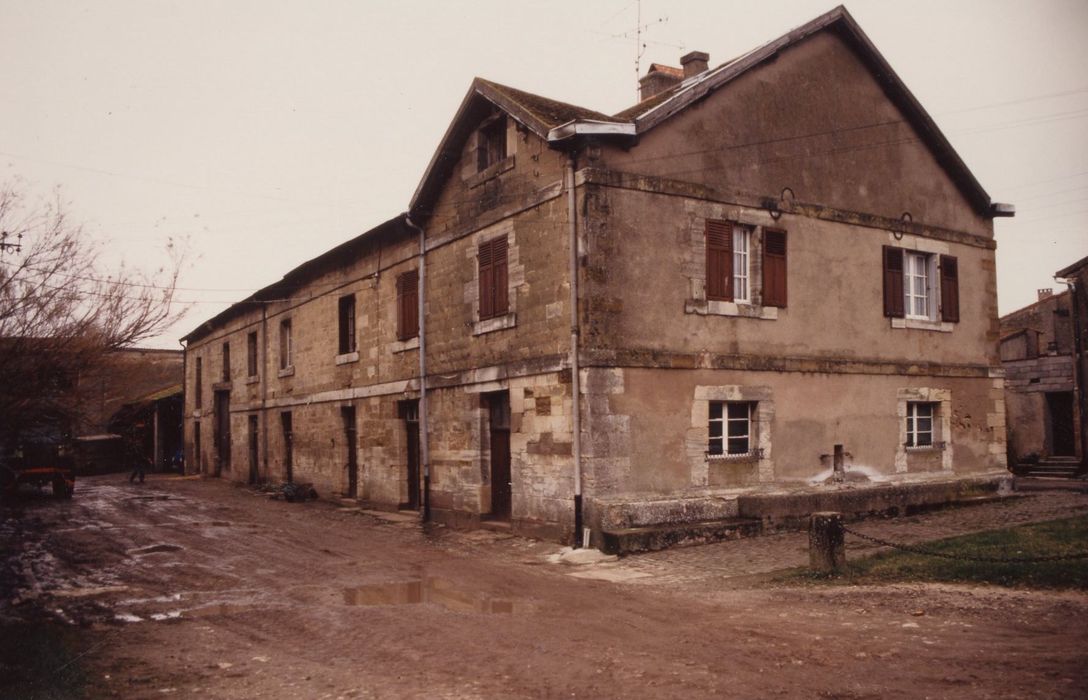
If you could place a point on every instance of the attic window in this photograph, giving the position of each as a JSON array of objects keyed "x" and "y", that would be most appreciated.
[{"x": 491, "y": 142}]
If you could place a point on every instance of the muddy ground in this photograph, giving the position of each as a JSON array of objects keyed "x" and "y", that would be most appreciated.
[{"x": 198, "y": 588}]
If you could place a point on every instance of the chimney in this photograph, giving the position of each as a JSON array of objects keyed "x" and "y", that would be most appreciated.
[
  {"x": 658, "y": 79},
  {"x": 1045, "y": 293},
  {"x": 694, "y": 63}
]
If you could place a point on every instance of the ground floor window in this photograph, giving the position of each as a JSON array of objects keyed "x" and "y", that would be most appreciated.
[
  {"x": 920, "y": 415},
  {"x": 730, "y": 428}
]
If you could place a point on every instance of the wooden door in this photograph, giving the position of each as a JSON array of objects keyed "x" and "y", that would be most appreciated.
[
  {"x": 409, "y": 411},
  {"x": 350, "y": 440},
  {"x": 499, "y": 425},
  {"x": 222, "y": 432},
  {"x": 1060, "y": 414},
  {"x": 253, "y": 452}
]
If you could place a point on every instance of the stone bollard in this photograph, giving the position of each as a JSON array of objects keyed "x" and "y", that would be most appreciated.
[{"x": 826, "y": 548}]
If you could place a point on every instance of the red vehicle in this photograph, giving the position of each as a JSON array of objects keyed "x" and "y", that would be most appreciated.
[{"x": 39, "y": 467}]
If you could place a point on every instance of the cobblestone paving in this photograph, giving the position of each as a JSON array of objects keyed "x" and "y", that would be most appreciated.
[{"x": 737, "y": 562}]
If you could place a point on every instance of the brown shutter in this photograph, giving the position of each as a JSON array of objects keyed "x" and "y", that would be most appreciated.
[
  {"x": 719, "y": 260},
  {"x": 408, "y": 305},
  {"x": 950, "y": 289},
  {"x": 487, "y": 280},
  {"x": 500, "y": 296},
  {"x": 893, "y": 282},
  {"x": 774, "y": 268}
]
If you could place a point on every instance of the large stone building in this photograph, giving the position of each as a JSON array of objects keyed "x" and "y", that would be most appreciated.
[
  {"x": 755, "y": 264},
  {"x": 1042, "y": 350}
]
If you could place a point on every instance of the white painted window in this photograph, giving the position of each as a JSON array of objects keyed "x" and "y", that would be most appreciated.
[
  {"x": 286, "y": 349},
  {"x": 730, "y": 427},
  {"x": 920, "y": 416},
  {"x": 742, "y": 237},
  {"x": 917, "y": 287}
]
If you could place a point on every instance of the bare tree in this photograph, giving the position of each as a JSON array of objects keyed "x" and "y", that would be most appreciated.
[{"x": 61, "y": 313}]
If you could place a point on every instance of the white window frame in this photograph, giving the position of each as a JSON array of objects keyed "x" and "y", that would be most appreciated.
[
  {"x": 918, "y": 287},
  {"x": 286, "y": 344},
  {"x": 742, "y": 240},
  {"x": 735, "y": 422},
  {"x": 917, "y": 412}
]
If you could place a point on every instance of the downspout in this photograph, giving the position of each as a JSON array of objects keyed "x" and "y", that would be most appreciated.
[
  {"x": 184, "y": 402},
  {"x": 263, "y": 368},
  {"x": 576, "y": 396},
  {"x": 424, "y": 449}
]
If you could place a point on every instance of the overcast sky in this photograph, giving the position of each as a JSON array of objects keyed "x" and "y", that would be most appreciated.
[{"x": 266, "y": 132}]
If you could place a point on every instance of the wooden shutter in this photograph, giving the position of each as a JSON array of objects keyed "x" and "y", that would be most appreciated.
[
  {"x": 719, "y": 260},
  {"x": 950, "y": 289},
  {"x": 893, "y": 282},
  {"x": 774, "y": 268},
  {"x": 487, "y": 280},
  {"x": 499, "y": 295},
  {"x": 408, "y": 305}
]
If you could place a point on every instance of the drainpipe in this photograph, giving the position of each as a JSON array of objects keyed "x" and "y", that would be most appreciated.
[
  {"x": 424, "y": 448},
  {"x": 576, "y": 397},
  {"x": 262, "y": 367},
  {"x": 184, "y": 396}
]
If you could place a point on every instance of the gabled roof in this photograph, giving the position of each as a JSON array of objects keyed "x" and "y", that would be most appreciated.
[
  {"x": 561, "y": 123},
  {"x": 1072, "y": 269},
  {"x": 297, "y": 277}
]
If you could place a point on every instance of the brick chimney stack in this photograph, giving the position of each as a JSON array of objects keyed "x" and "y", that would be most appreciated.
[
  {"x": 695, "y": 63},
  {"x": 1045, "y": 293}
]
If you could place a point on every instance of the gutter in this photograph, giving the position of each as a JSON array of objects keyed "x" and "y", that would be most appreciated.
[
  {"x": 590, "y": 127},
  {"x": 263, "y": 369},
  {"x": 184, "y": 418},
  {"x": 424, "y": 447}
]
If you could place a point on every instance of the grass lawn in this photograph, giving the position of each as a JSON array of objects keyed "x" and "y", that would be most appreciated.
[{"x": 1057, "y": 537}]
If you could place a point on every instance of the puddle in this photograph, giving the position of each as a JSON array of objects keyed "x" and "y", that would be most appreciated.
[
  {"x": 436, "y": 591},
  {"x": 152, "y": 549}
]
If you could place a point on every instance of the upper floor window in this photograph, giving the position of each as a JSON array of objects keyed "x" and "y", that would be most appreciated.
[
  {"x": 286, "y": 344},
  {"x": 730, "y": 256},
  {"x": 408, "y": 305},
  {"x": 491, "y": 142},
  {"x": 921, "y": 286},
  {"x": 346, "y": 316},
  {"x": 251, "y": 354},
  {"x": 493, "y": 275},
  {"x": 226, "y": 362},
  {"x": 198, "y": 389}
]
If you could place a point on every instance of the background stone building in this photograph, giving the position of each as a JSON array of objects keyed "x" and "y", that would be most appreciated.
[
  {"x": 1042, "y": 350},
  {"x": 755, "y": 264}
]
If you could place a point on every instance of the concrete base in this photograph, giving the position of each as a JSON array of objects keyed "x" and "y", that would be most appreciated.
[{"x": 628, "y": 526}]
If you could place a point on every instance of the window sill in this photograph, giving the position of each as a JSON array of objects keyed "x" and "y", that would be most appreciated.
[
  {"x": 496, "y": 323},
  {"x": 750, "y": 456},
  {"x": 405, "y": 345},
  {"x": 490, "y": 171},
  {"x": 253, "y": 380},
  {"x": 347, "y": 358},
  {"x": 286, "y": 372},
  {"x": 922, "y": 325},
  {"x": 702, "y": 307},
  {"x": 935, "y": 447}
]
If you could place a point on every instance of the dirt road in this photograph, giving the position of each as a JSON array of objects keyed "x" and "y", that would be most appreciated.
[{"x": 190, "y": 588}]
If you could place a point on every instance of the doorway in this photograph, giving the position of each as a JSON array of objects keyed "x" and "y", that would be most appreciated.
[
  {"x": 1059, "y": 427},
  {"x": 253, "y": 454},
  {"x": 351, "y": 441},
  {"x": 498, "y": 422},
  {"x": 222, "y": 432},
  {"x": 409, "y": 412},
  {"x": 288, "y": 447}
]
